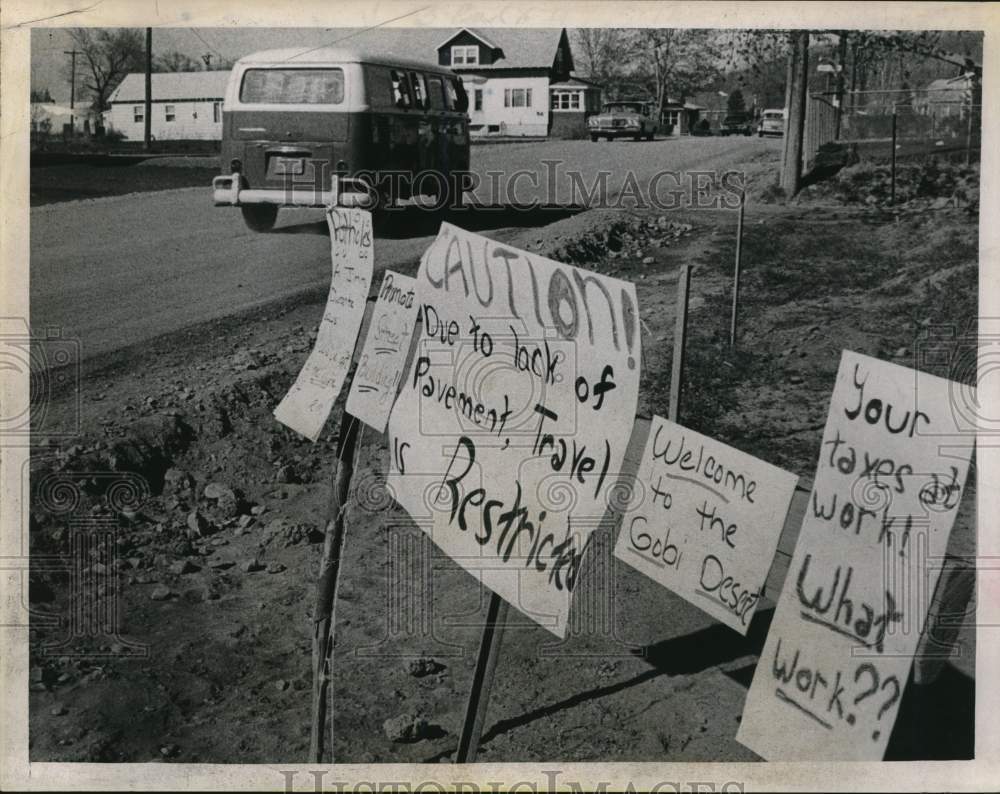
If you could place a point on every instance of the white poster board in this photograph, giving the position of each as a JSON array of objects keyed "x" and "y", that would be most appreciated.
[
  {"x": 308, "y": 403},
  {"x": 888, "y": 484},
  {"x": 514, "y": 418},
  {"x": 381, "y": 360},
  {"x": 705, "y": 521}
]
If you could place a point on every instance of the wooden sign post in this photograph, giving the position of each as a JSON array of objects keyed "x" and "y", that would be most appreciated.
[
  {"x": 379, "y": 362},
  {"x": 680, "y": 334},
  {"x": 326, "y": 588},
  {"x": 482, "y": 680},
  {"x": 736, "y": 271},
  {"x": 496, "y": 616}
]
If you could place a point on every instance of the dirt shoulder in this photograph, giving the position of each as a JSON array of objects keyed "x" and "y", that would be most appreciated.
[{"x": 214, "y": 574}]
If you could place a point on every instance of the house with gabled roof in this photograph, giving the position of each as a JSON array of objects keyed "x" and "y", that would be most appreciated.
[
  {"x": 185, "y": 106},
  {"x": 520, "y": 81}
]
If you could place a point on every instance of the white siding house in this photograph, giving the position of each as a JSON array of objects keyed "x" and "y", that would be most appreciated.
[{"x": 185, "y": 106}]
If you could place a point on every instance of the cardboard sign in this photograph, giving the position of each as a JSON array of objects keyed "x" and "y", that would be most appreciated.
[
  {"x": 308, "y": 403},
  {"x": 512, "y": 423},
  {"x": 888, "y": 484},
  {"x": 706, "y": 521},
  {"x": 383, "y": 356}
]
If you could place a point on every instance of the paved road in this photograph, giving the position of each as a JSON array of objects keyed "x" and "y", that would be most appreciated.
[{"x": 116, "y": 271}]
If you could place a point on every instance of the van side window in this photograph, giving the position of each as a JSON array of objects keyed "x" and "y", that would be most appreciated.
[
  {"x": 419, "y": 90},
  {"x": 435, "y": 92},
  {"x": 450, "y": 94},
  {"x": 400, "y": 89},
  {"x": 456, "y": 87}
]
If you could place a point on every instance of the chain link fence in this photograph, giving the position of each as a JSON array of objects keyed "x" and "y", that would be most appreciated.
[{"x": 927, "y": 122}]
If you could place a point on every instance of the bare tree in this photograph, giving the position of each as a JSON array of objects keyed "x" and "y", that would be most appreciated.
[
  {"x": 599, "y": 52},
  {"x": 108, "y": 55},
  {"x": 673, "y": 61}
]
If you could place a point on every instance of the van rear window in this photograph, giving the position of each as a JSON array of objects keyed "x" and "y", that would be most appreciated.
[{"x": 292, "y": 87}]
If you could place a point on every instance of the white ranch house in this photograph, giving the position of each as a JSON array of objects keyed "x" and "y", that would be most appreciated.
[{"x": 185, "y": 106}]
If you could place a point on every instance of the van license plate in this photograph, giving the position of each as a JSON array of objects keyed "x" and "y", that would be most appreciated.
[{"x": 287, "y": 165}]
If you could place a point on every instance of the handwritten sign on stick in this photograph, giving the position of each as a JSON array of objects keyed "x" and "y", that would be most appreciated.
[
  {"x": 706, "y": 521},
  {"x": 308, "y": 403},
  {"x": 510, "y": 428},
  {"x": 889, "y": 480},
  {"x": 383, "y": 356}
]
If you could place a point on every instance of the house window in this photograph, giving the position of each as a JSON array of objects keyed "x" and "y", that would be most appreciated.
[
  {"x": 216, "y": 111},
  {"x": 517, "y": 97},
  {"x": 478, "y": 99},
  {"x": 565, "y": 100},
  {"x": 138, "y": 116},
  {"x": 465, "y": 55},
  {"x": 169, "y": 112}
]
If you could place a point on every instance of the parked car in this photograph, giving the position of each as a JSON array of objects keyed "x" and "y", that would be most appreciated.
[
  {"x": 772, "y": 122},
  {"x": 334, "y": 129},
  {"x": 624, "y": 120},
  {"x": 738, "y": 124}
]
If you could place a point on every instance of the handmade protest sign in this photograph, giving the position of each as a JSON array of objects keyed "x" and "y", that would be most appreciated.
[
  {"x": 308, "y": 403},
  {"x": 511, "y": 426},
  {"x": 888, "y": 484},
  {"x": 705, "y": 521},
  {"x": 383, "y": 356}
]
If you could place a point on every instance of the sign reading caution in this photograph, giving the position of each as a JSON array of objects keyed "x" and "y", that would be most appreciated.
[{"x": 513, "y": 420}]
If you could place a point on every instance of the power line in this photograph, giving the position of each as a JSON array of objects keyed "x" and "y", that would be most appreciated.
[
  {"x": 209, "y": 46},
  {"x": 359, "y": 32}
]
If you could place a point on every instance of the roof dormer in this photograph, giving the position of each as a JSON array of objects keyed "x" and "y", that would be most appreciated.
[{"x": 467, "y": 49}]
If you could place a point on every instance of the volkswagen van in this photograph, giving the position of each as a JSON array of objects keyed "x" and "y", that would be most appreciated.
[{"x": 330, "y": 127}]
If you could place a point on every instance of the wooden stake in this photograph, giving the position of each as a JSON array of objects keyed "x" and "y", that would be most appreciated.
[
  {"x": 326, "y": 589},
  {"x": 736, "y": 274},
  {"x": 680, "y": 329},
  {"x": 892, "y": 183},
  {"x": 482, "y": 681}
]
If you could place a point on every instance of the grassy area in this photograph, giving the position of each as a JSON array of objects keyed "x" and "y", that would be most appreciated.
[{"x": 811, "y": 288}]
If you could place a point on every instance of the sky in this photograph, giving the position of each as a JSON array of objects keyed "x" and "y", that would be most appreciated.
[{"x": 50, "y": 67}]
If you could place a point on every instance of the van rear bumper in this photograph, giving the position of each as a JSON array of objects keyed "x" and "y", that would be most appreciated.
[{"x": 228, "y": 191}]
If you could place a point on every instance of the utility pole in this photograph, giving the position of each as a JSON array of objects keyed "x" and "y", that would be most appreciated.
[
  {"x": 148, "y": 113},
  {"x": 798, "y": 77},
  {"x": 72, "y": 86},
  {"x": 841, "y": 66}
]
